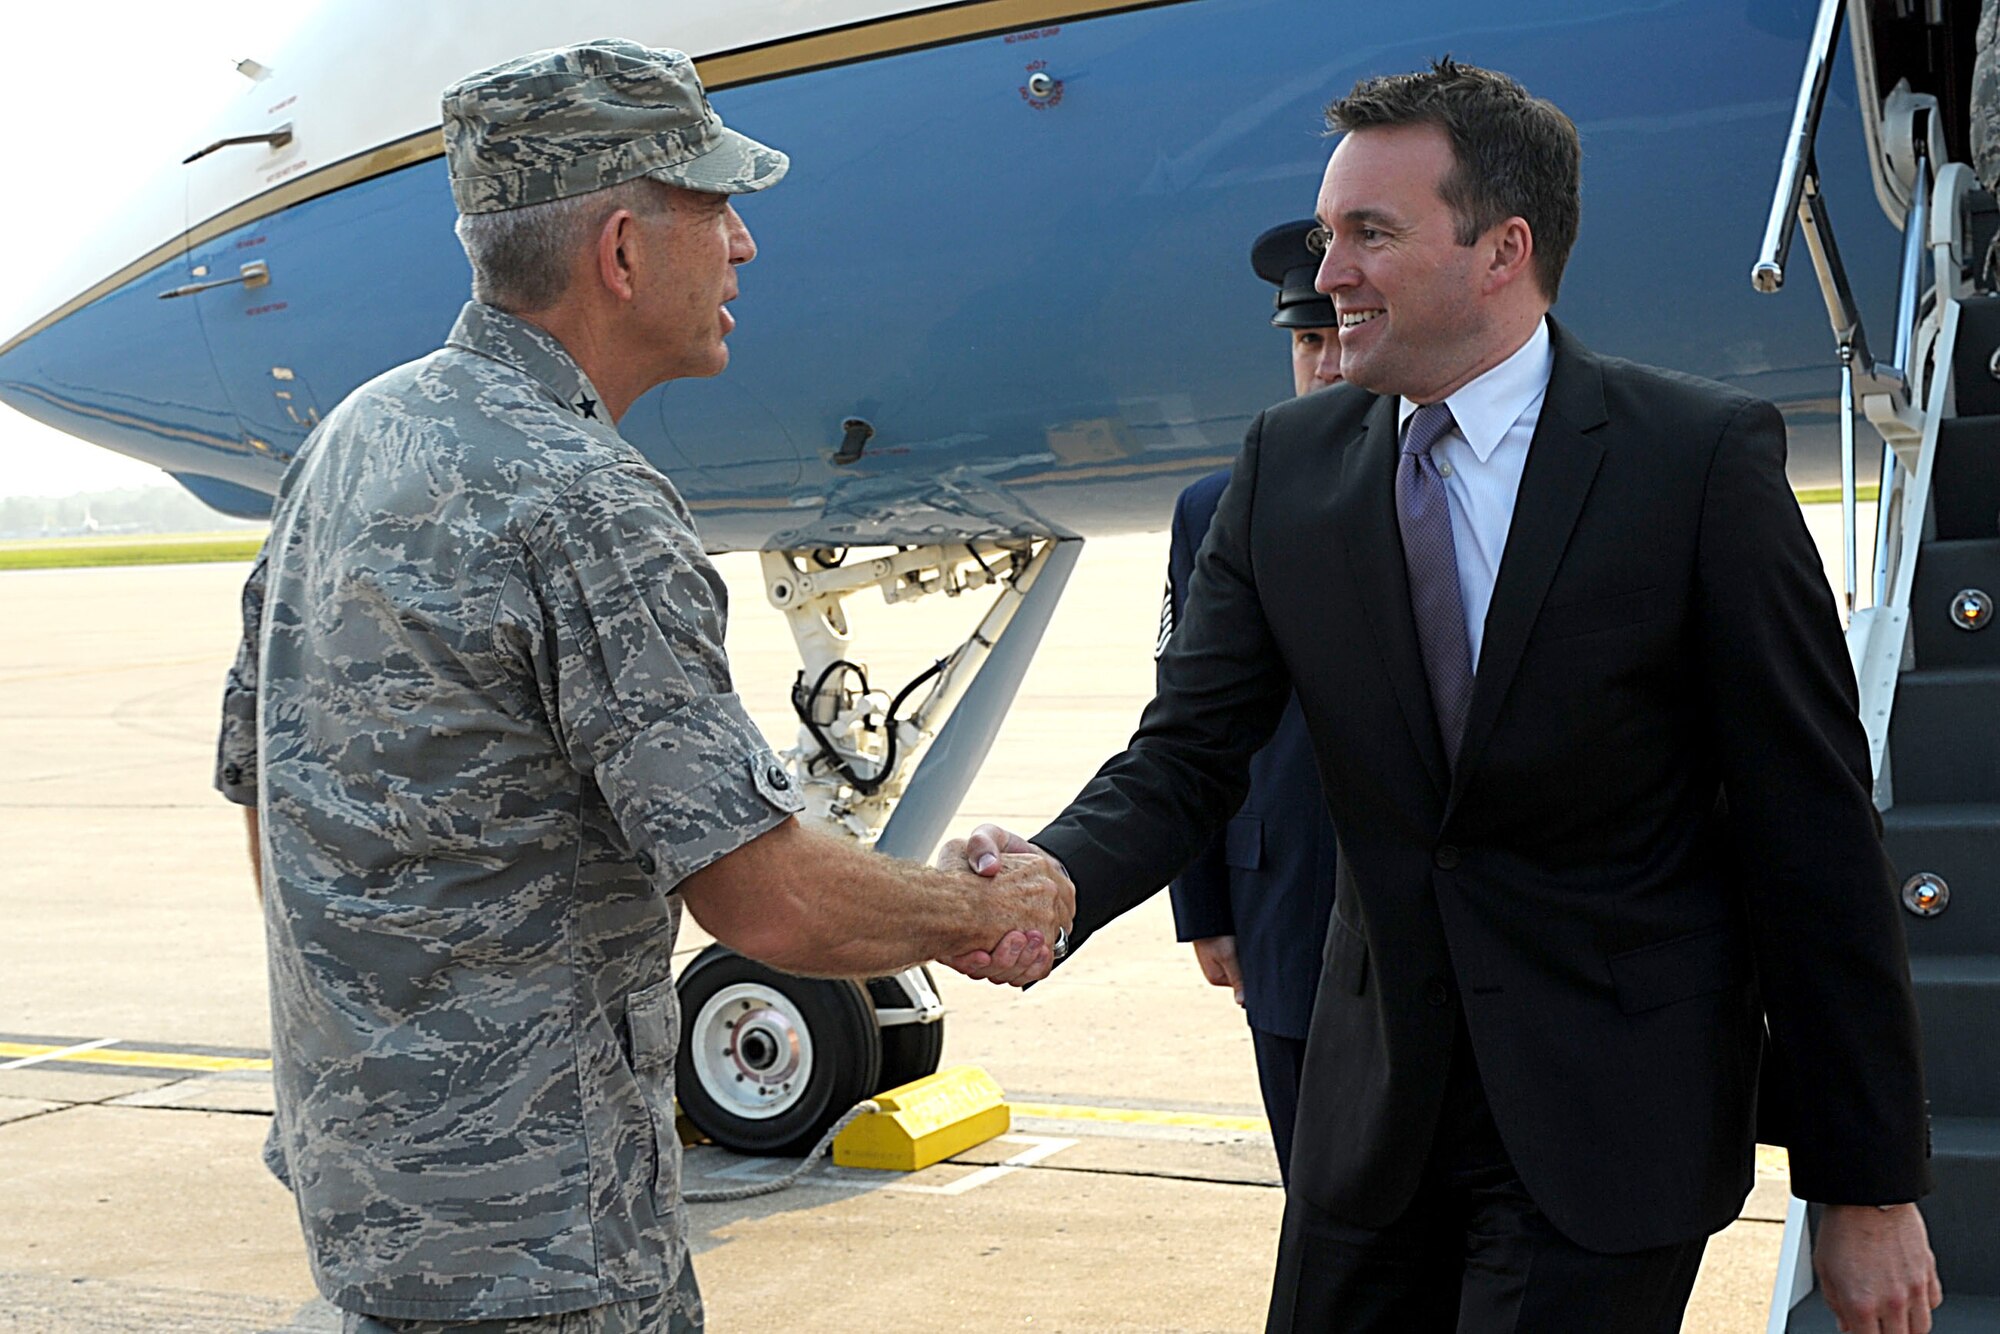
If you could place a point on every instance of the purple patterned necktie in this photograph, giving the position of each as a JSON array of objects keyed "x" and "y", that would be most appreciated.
[{"x": 1424, "y": 516}]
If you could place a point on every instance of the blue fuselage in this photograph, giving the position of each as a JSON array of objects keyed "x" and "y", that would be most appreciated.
[{"x": 1041, "y": 304}]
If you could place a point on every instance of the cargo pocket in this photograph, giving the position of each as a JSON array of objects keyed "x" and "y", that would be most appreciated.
[{"x": 654, "y": 1017}]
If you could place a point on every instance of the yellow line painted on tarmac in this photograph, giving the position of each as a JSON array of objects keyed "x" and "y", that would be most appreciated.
[
  {"x": 139, "y": 1060},
  {"x": 54, "y": 1053},
  {"x": 1136, "y": 1116},
  {"x": 1769, "y": 1159}
]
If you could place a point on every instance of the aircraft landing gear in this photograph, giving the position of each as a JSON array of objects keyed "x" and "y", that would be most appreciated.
[
  {"x": 769, "y": 1061},
  {"x": 911, "y": 1046}
]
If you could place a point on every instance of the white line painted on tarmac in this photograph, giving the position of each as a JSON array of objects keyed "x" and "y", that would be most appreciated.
[
  {"x": 1040, "y": 1147},
  {"x": 1043, "y": 1111},
  {"x": 56, "y": 1054}
]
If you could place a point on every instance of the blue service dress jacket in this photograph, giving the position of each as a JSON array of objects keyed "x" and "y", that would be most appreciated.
[{"x": 1268, "y": 879}]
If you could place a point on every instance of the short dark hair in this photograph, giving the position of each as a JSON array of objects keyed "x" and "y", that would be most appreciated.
[{"x": 1516, "y": 155}]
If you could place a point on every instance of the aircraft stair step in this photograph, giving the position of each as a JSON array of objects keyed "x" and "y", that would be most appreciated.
[
  {"x": 1965, "y": 485},
  {"x": 1981, "y": 224},
  {"x": 1978, "y": 389},
  {"x": 1944, "y": 740},
  {"x": 1960, "y": 1314},
  {"x": 1963, "y": 1209},
  {"x": 1960, "y": 844},
  {"x": 1945, "y": 572},
  {"x": 1958, "y": 1005}
]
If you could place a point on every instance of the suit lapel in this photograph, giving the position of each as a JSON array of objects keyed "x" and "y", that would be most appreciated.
[
  {"x": 1366, "y": 519},
  {"x": 1562, "y": 462}
]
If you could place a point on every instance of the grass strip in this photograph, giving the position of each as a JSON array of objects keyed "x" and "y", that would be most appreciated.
[
  {"x": 198, "y": 549},
  {"x": 86, "y": 553},
  {"x": 1828, "y": 495}
]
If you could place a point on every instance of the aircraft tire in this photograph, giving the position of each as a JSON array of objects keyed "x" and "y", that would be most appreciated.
[
  {"x": 909, "y": 1051},
  {"x": 768, "y": 1061}
]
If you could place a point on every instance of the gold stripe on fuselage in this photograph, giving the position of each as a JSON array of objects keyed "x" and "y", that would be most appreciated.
[{"x": 869, "y": 40}]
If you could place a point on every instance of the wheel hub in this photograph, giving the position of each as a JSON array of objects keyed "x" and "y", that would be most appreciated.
[
  {"x": 752, "y": 1050},
  {"x": 764, "y": 1043}
]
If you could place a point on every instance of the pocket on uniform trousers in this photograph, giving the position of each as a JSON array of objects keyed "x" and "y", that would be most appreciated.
[{"x": 653, "y": 1016}]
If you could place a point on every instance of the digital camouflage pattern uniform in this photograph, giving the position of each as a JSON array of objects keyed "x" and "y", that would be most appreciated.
[
  {"x": 483, "y": 707},
  {"x": 561, "y": 123},
  {"x": 1986, "y": 95}
]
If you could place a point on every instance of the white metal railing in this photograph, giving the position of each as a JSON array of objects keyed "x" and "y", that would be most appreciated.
[
  {"x": 1799, "y": 202},
  {"x": 1796, "y": 170},
  {"x": 1878, "y": 635}
]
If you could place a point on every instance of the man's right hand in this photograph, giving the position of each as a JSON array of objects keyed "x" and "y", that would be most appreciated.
[
  {"x": 983, "y": 851},
  {"x": 1217, "y": 957},
  {"x": 1024, "y": 953}
]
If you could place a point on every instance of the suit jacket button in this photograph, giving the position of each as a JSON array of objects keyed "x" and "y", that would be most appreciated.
[
  {"x": 646, "y": 863},
  {"x": 1437, "y": 993},
  {"x": 1446, "y": 858}
]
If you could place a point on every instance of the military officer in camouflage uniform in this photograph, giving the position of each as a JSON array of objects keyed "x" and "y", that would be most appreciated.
[
  {"x": 1985, "y": 100},
  {"x": 483, "y": 711}
]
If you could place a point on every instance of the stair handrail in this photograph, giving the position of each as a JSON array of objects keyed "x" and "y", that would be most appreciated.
[
  {"x": 1796, "y": 168},
  {"x": 1799, "y": 202}
]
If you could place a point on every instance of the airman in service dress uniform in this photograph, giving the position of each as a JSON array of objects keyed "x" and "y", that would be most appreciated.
[{"x": 1256, "y": 901}]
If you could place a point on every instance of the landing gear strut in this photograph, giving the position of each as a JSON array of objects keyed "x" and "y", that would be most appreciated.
[{"x": 768, "y": 1061}]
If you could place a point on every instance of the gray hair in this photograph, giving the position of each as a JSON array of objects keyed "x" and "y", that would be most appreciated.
[{"x": 521, "y": 257}]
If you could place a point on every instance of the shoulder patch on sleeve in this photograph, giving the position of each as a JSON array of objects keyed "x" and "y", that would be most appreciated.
[{"x": 774, "y": 782}]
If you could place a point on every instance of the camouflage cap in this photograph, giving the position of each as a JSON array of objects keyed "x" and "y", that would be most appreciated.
[{"x": 587, "y": 117}]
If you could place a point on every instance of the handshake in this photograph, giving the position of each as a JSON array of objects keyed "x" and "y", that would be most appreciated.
[{"x": 1028, "y": 899}]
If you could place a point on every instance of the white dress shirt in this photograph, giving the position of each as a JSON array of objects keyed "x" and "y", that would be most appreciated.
[{"x": 1481, "y": 460}]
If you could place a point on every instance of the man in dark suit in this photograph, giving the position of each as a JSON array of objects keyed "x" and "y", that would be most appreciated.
[
  {"x": 1255, "y": 902},
  {"x": 1542, "y": 609}
]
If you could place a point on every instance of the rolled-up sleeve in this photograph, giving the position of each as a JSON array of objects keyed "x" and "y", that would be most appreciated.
[
  {"x": 636, "y": 677},
  {"x": 236, "y": 747}
]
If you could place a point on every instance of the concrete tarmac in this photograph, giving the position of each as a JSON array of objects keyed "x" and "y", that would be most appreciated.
[{"x": 131, "y": 1196}]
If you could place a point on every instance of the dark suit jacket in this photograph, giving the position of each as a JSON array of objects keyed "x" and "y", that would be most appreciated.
[
  {"x": 1660, "y": 628},
  {"x": 1268, "y": 878}
]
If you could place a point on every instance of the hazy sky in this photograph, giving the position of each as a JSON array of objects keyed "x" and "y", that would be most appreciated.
[{"x": 128, "y": 92}]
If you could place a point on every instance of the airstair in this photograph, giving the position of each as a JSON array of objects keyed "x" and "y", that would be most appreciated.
[{"x": 1925, "y": 655}]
